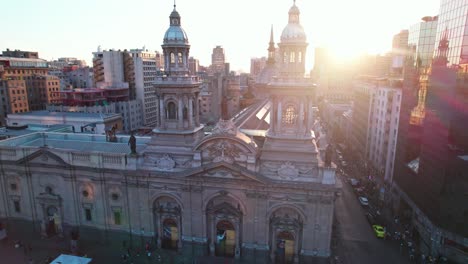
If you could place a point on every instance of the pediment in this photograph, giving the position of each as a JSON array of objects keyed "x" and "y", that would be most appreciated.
[
  {"x": 43, "y": 157},
  {"x": 227, "y": 172}
]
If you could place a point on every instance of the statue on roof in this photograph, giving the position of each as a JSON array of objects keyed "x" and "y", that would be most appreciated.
[
  {"x": 110, "y": 134},
  {"x": 132, "y": 144}
]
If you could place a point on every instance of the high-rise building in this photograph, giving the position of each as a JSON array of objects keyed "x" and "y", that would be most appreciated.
[
  {"x": 40, "y": 86},
  {"x": 194, "y": 65},
  {"x": 108, "y": 69},
  {"x": 14, "y": 98},
  {"x": 421, "y": 41},
  {"x": 363, "y": 89},
  {"x": 400, "y": 42},
  {"x": 141, "y": 72},
  {"x": 257, "y": 65},
  {"x": 383, "y": 128},
  {"x": 218, "y": 60},
  {"x": 453, "y": 24},
  {"x": 431, "y": 165},
  {"x": 135, "y": 70}
]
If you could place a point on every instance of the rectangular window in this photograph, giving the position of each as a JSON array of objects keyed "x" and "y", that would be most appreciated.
[
  {"x": 117, "y": 219},
  {"x": 17, "y": 206},
  {"x": 88, "y": 214}
]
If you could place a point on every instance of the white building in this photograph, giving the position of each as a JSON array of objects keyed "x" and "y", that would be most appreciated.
[
  {"x": 82, "y": 122},
  {"x": 145, "y": 70},
  {"x": 383, "y": 126},
  {"x": 131, "y": 112},
  {"x": 108, "y": 69},
  {"x": 135, "y": 69}
]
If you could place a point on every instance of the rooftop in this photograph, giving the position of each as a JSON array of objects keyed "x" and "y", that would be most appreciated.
[
  {"x": 76, "y": 142},
  {"x": 7, "y": 132},
  {"x": 45, "y": 113}
]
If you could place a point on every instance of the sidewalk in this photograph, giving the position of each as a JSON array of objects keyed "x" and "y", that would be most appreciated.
[{"x": 109, "y": 253}]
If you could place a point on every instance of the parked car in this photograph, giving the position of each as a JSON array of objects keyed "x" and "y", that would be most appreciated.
[
  {"x": 363, "y": 200},
  {"x": 379, "y": 231}
]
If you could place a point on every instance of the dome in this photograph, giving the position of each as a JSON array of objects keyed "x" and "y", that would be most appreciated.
[
  {"x": 175, "y": 35},
  {"x": 293, "y": 33}
]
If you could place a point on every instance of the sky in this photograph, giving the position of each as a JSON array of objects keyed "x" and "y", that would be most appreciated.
[{"x": 64, "y": 28}]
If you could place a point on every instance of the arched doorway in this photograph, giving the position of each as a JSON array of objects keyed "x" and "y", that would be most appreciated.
[
  {"x": 170, "y": 235},
  {"x": 284, "y": 247},
  {"x": 224, "y": 226},
  {"x": 225, "y": 244},
  {"x": 52, "y": 214},
  {"x": 286, "y": 225},
  {"x": 167, "y": 221}
]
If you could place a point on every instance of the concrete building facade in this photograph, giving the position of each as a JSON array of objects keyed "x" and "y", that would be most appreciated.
[{"x": 383, "y": 128}]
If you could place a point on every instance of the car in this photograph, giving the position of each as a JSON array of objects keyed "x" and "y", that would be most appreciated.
[
  {"x": 363, "y": 200},
  {"x": 379, "y": 231}
]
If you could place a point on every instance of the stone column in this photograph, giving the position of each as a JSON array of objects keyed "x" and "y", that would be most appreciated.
[
  {"x": 273, "y": 115},
  {"x": 273, "y": 245},
  {"x": 162, "y": 113},
  {"x": 237, "y": 248},
  {"x": 306, "y": 116},
  {"x": 212, "y": 235},
  {"x": 180, "y": 114},
  {"x": 301, "y": 118},
  {"x": 167, "y": 60},
  {"x": 190, "y": 112},
  {"x": 179, "y": 227},
  {"x": 176, "y": 55},
  {"x": 43, "y": 222},
  {"x": 279, "y": 114},
  {"x": 197, "y": 110},
  {"x": 159, "y": 230}
]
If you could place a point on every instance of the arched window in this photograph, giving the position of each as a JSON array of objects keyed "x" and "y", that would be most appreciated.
[
  {"x": 179, "y": 57},
  {"x": 285, "y": 57},
  {"x": 289, "y": 115},
  {"x": 299, "y": 57},
  {"x": 172, "y": 57},
  {"x": 171, "y": 110},
  {"x": 292, "y": 57}
]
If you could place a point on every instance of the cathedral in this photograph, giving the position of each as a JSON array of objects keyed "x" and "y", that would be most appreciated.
[{"x": 256, "y": 187}]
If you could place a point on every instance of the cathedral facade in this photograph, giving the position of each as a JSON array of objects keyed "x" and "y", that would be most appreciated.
[{"x": 268, "y": 198}]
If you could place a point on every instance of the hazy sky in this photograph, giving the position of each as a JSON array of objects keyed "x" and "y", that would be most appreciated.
[{"x": 64, "y": 28}]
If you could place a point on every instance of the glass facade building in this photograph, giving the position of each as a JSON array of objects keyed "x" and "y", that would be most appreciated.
[
  {"x": 453, "y": 22},
  {"x": 421, "y": 40}
]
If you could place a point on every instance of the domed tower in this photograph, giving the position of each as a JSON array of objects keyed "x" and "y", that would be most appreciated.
[
  {"x": 176, "y": 47},
  {"x": 290, "y": 151},
  {"x": 177, "y": 91},
  {"x": 293, "y": 46}
]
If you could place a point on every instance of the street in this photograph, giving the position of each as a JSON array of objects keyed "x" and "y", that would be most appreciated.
[{"x": 357, "y": 242}]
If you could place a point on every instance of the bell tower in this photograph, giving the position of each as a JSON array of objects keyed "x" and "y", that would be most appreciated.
[
  {"x": 290, "y": 151},
  {"x": 177, "y": 91},
  {"x": 293, "y": 46}
]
